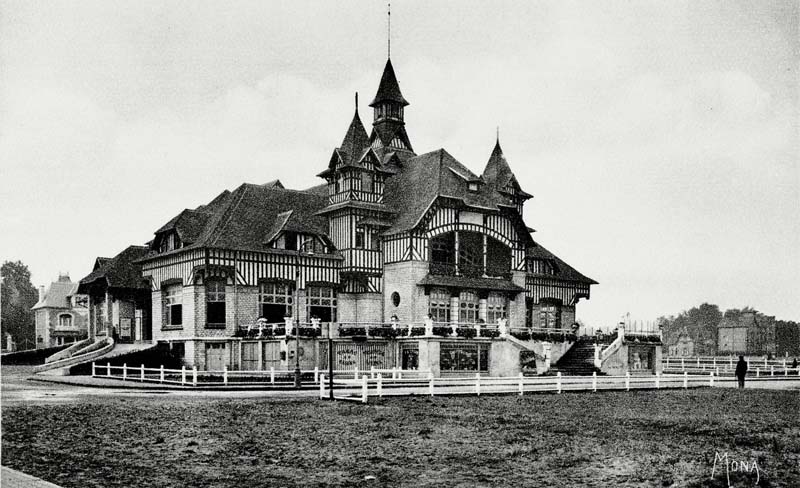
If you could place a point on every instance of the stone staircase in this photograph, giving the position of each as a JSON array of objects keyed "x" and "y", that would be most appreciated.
[{"x": 578, "y": 361}]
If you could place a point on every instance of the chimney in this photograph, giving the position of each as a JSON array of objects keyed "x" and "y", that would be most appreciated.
[{"x": 41, "y": 293}]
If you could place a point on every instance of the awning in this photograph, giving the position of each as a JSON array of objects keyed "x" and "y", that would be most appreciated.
[{"x": 492, "y": 284}]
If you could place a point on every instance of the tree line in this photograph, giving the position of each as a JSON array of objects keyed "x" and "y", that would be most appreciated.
[{"x": 701, "y": 324}]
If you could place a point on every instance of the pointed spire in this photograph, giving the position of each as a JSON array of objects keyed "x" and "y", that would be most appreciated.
[
  {"x": 389, "y": 89},
  {"x": 389, "y": 31},
  {"x": 497, "y": 170},
  {"x": 356, "y": 138}
]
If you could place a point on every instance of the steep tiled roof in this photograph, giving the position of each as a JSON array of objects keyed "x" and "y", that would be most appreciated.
[
  {"x": 562, "y": 270},
  {"x": 388, "y": 89},
  {"x": 57, "y": 295},
  {"x": 355, "y": 140},
  {"x": 498, "y": 173},
  {"x": 252, "y": 215},
  {"x": 428, "y": 176},
  {"x": 121, "y": 271}
]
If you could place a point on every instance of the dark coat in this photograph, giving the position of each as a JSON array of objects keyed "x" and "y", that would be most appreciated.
[{"x": 741, "y": 368}]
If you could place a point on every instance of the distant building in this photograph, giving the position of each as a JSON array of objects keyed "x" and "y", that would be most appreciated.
[
  {"x": 119, "y": 297},
  {"x": 683, "y": 345},
  {"x": 61, "y": 314},
  {"x": 751, "y": 333}
]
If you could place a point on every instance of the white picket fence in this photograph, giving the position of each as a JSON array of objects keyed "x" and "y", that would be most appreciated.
[
  {"x": 365, "y": 387},
  {"x": 757, "y": 367},
  {"x": 193, "y": 376}
]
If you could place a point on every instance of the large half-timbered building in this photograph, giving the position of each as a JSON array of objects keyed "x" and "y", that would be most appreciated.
[{"x": 391, "y": 237}]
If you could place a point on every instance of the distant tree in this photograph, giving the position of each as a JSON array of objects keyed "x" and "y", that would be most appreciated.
[
  {"x": 18, "y": 296},
  {"x": 787, "y": 338}
]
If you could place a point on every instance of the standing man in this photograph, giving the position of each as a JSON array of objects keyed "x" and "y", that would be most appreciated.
[{"x": 741, "y": 371}]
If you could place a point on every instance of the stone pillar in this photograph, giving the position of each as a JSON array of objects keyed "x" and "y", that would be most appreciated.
[
  {"x": 454, "y": 309},
  {"x": 483, "y": 309},
  {"x": 547, "y": 352}
]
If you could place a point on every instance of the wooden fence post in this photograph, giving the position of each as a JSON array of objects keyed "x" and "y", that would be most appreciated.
[
  {"x": 558, "y": 382},
  {"x": 194, "y": 375},
  {"x": 372, "y": 372},
  {"x": 364, "y": 389},
  {"x": 758, "y": 372},
  {"x": 698, "y": 361},
  {"x": 141, "y": 375},
  {"x": 161, "y": 374},
  {"x": 272, "y": 375},
  {"x": 658, "y": 381},
  {"x": 711, "y": 380},
  {"x": 594, "y": 380},
  {"x": 124, "y": 371},
  {"x": 772, "y": 370},
  {"x": 183, "y": 375},
  {"x": 627, "y": 381},
  {"x": 521, "y": 384},
  {"x": 355, "y": 373},
  {"x": 715, "y": 362},
  {"x": 380, "y": 385},
  {"x": 685, "y": 380},
  {"x": 683, "y": 364},
  {"x": 316, "y": 374},
  {"x": 108, "y": 370},
  {"x": 478, "y": 384},
  {"x": 225, "y": 374},
  {"x": 322, "y": 386},
  {"x": 93, "y": 369}
]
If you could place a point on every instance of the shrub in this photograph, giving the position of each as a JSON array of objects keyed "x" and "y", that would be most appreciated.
[
  {"x": 466, "y": 332},
  {"x": 442, "y": 331},
  {"x": 491, "y": 333},
  {"x": 522, "y": 335}
]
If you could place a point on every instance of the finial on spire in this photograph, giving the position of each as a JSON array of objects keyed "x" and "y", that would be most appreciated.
[
  {"x": 498, "y": 134},
  {"x": 356, "y": 101},
  {"x": 389, "y": 30}
]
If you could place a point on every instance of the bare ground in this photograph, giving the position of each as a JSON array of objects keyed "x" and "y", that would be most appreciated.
[{"x": 644, "y": 438}]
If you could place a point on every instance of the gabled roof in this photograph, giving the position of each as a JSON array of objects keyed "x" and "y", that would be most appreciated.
[
  {"x": 57, "y": 295},
  {"x": 498, "y": 173},
  {"x": 121, "y": 271},
  {"x": 190, "y": 223},
  {"x": 426, "y": 177},
  {"x": 273, "y": 183},
  {"x": 252, "y": 215},
  {"x": 562, "y": 270},
  {"x": 388, "y": 89}
]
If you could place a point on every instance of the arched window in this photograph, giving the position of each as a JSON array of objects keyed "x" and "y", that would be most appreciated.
[
  {"x": 321, "y": 303},
  {"x": 550, "y": 314},
  {"x": 439, "y": 305},
  {"x": 495, "y": 307},
  {"x": 275, "y": 301},
  {"x": 65, "y": 320},
  {"x": 468, "y": 307}
]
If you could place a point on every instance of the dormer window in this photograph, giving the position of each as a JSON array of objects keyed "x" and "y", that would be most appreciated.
[
  {"x": 472, "y": 186},
  {"x": 169, "y": 242}
]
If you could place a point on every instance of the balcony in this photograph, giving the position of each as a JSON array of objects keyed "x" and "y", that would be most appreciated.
[{"x": 469, "y": 271}]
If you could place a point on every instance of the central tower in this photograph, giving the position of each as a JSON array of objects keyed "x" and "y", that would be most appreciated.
[{"x": 388, "y": 127}]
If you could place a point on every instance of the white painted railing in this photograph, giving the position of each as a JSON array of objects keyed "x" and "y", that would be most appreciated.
[
  {"x": 363, "y": 388},
  {"x": 192, "y": 376}
]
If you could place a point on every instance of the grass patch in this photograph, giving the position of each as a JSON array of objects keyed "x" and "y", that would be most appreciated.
[{"x": 646, "y": 438}]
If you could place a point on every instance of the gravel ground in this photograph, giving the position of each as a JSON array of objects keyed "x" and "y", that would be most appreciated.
[{"x": 645, "y": 438}]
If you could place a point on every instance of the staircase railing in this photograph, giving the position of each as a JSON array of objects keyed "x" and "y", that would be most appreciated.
[
  {"x": 601, "y": 355},
  {"x": 94, "y": 351}
]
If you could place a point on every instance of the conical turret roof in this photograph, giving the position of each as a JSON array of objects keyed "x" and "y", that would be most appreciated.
[
  {"x": 497, "y": 170},
  {"x": 389, "y": 89},
  {"x": 356, "y": 138}
]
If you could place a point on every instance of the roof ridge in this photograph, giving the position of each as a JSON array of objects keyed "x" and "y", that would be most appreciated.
[{"x": 229, "y": 212}]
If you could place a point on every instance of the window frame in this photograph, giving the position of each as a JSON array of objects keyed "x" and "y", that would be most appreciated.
[
  {"x": 439, "y": 305},
  {"x": 215, "y": 294},
  {"x": 172, "y": 297}
]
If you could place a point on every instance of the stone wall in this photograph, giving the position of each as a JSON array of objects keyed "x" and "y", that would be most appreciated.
[{"x": 403, "y": 278}]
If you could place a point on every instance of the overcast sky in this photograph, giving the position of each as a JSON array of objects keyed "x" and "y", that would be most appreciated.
[{"x": 659, "y": 139}]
